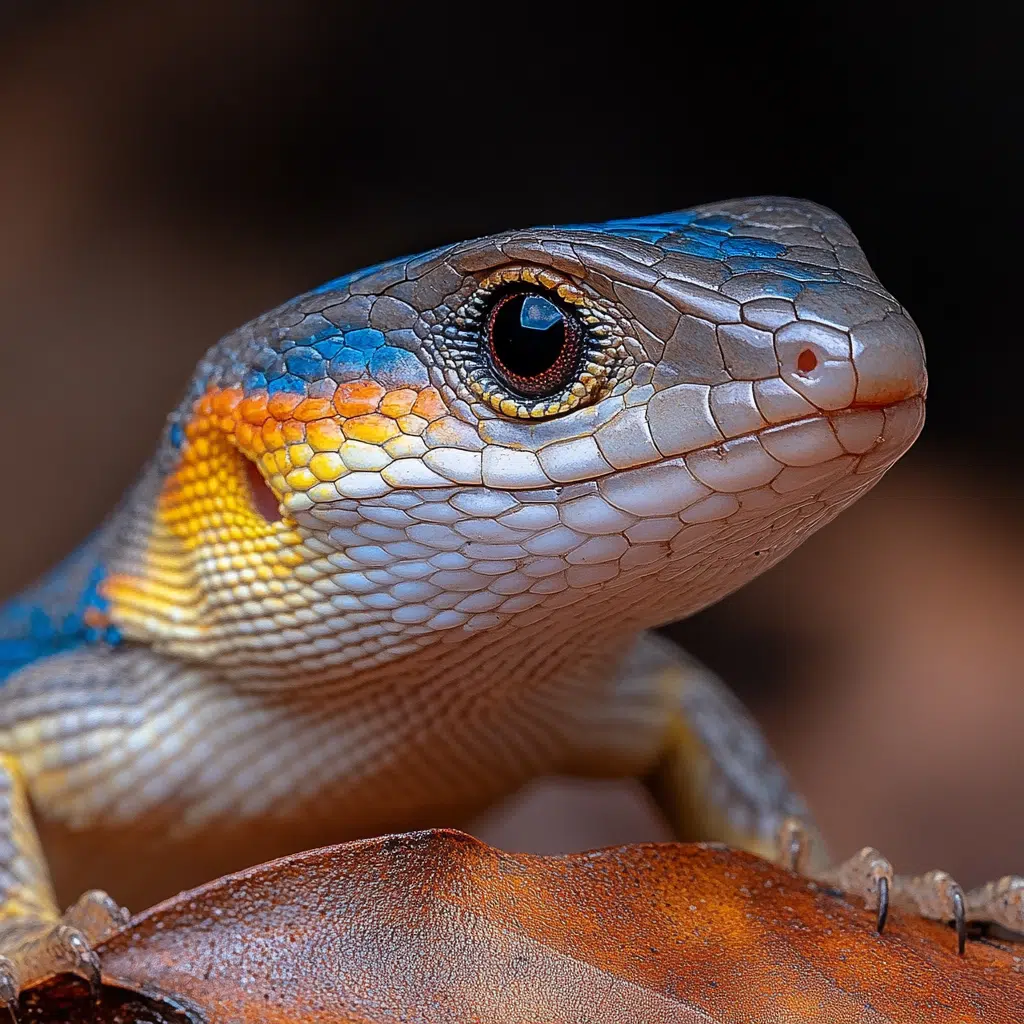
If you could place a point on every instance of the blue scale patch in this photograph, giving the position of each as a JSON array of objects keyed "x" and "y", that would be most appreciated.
[
  {"x": 55, "y": 615},
  {"x": 329, "y": 347},
  {"x": 348, "y": 364},
  {"x": 287, "y": 383},
  {"x": 366, "y": 340},
  {"x": 339, "y": 354},
  {"x": 712, "y": 238},
  {"x": 395, "y": 368},
  {"x": 306, "y": 363},
  {"x": 785, "y": 268}
]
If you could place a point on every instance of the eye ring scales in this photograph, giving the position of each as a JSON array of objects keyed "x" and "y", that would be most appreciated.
[{"x": 532, "y": 343}]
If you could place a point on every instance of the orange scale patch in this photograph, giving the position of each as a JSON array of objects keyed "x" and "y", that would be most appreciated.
[
  {"x": 373, "y": 428},
  {"x": 273, "y": 436},
  {"x": 254, "y": 408},
  {"x": 429, "y": 405},
  {"x": 293, "y": 431},
  {"x": 282, "y": 404},
  {"x": 398, "y": 403},
  {"x": 324, "y": 435},
  {"x": 226, "y": 402},
  {"x": 357, "y": 397},
  {"x": 313, "y": 409},
  {"x": 244, "y": 433},
  {"x": 95, "y": 618}
]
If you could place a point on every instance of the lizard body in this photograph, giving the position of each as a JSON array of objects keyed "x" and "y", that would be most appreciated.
[{"x": 400, "y": 543}]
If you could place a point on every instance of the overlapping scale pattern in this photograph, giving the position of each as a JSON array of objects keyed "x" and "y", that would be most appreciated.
[{"x": 751, "y": 401}]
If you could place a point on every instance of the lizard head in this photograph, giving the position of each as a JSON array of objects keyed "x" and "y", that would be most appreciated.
[{"x": 586, "y": 430}]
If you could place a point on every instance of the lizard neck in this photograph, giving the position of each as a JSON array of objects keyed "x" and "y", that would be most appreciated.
[{"x": 555, "y": 661}]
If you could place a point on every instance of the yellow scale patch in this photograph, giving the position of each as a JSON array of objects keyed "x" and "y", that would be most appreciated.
[{"x": 211, "y": 553}]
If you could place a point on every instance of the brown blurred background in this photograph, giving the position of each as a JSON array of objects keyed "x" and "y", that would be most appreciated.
[{"x": 168, "y": 170}]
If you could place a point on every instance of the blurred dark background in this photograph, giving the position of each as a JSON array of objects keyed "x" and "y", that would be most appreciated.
[{"x": 168, "y": 170}]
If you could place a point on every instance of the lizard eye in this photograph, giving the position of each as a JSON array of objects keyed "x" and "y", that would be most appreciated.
[{"x": 533, "y": 343}]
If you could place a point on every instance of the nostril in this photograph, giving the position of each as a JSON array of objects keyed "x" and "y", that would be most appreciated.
[
  {"x": 807, "y": 361},
  {"x": 815, "y": 361}
]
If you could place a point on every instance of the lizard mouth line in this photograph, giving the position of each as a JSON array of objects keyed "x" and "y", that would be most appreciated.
[
  {"x": 854, "y": 430},
  {"x": 830, "y": 416}
]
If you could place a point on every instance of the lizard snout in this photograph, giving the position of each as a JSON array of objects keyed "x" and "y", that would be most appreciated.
[{"x": 889, "y": 357}]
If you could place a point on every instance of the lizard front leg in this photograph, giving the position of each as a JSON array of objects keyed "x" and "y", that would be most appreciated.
[
  {"x": 715, "y": 776},
  {"x": 36, "y": 940},
  {"x": 74, "y": 729},
  {"x": 667, "y": 719}
]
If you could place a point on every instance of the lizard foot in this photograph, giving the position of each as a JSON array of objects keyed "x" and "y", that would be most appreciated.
[
  {"x": 935, "y": 895},
  {"x": 36, "y": 940},
  {"x": 32, "y": 949}
]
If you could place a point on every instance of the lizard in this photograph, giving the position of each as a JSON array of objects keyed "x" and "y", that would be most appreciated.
[{"x": 401, "y": 546}]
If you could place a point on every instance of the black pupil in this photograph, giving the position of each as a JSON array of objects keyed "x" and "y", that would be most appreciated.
[{"x": 528, "y": 334}]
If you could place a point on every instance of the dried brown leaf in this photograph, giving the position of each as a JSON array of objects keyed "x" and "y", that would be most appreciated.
[{"x": 436, "y": 927}]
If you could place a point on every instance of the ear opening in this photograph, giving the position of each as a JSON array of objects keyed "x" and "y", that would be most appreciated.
[{"x": 264, "y": 501}]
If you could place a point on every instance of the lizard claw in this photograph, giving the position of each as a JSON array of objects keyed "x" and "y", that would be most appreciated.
[
  {"x": 960, "y": 919},
  {"x": 935, "y": 895},
  {"x": 883, "y": 904},
  {"x": 938, "y": 896},
  {"x": 869, "y": 875},
  {"x": 81, "y": 959}
]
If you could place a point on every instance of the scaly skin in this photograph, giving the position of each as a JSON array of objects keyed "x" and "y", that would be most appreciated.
[{"x": 446, "y": 592}]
